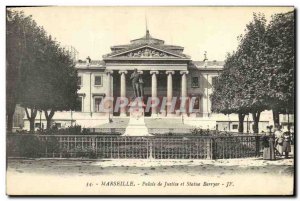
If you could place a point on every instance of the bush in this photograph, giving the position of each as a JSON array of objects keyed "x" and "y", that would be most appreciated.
[
  {"x": 24, "y": 146},
  {"x": 207, "y": 132},
  {"x": 72, "y": 130}
]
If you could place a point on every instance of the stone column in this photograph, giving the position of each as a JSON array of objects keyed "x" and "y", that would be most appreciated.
[
  {"x": 154, "y": 91},
  {"x": 108, "y": 102},
  {"x": 169, "y": 91},
  {"x": 123, "y": 91},
  {"x": 205, "y": 98},
  {"x": 183, "y": 91},
  {"x": 209, "y": 92},
  {"x": 108, "y": 89}
]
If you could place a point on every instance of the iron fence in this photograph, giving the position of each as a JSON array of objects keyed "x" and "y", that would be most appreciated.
[
  {"x": 155, "y": 131},
  {"x": 122, "y": 147}
]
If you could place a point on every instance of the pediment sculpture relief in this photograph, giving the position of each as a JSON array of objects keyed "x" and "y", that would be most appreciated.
[{"x": 147, "y": 53}]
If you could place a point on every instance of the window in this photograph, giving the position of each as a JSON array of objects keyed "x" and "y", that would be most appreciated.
[
  {"x": 98, "y": 80},
  {"x": 37, "y": 125},
  {"x": 58, "y": 125},
  {"x": 97, "y": 103},
  {"x": 196, "y": 105},
  {"x": 195, "y": 82},
  {"x": 79, "y": 104},
  {"x": 79, "y": 81},
  {"x": 214, "y": 81},
  {"x": 235, "y": 126}
]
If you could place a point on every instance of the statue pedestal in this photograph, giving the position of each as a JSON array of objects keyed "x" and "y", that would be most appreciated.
[{"x": 136, "y": 125}]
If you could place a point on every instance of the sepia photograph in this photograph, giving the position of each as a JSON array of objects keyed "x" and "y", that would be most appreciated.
[{"x": 153, "y": 100}]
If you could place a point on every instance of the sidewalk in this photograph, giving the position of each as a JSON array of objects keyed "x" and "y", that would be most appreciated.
[
  {"x": 75, "y": 166},
  {"x": 251, "y": 176}
]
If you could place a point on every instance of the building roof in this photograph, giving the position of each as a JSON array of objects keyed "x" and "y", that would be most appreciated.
[
  {"x": 93, "y": 63},
  {"x": 149, "y": 41},
  {"x": 209, "y": 63},
  {"x": 193, "y": 65},
  {"x": 206, "y": 65}
]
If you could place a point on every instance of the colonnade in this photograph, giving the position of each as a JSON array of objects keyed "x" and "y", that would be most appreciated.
[{"x": 154, "y": 74}]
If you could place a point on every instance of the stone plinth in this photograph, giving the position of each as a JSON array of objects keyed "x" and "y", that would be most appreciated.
[{"x": 136, "y": 125}]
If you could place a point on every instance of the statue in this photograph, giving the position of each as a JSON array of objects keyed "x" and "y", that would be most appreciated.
[
  {"x": 136, "y": 125},
  {"x": 141, "y": 86},
  {"x": 137, "y": 84}
]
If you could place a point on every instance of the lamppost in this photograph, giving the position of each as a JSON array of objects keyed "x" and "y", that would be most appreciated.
[
  {"x": 40, "y": 119},
  {"x": 71, "y": 118},
  {"x": 287, "y": 111},
  {"x": 109, "y": 119},
  {"x": 248, "y": 124}
]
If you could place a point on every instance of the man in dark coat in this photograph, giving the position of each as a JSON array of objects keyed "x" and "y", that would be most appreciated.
[
  {"x": 286, "y": 147},
  {"x": 135, "y": 82}
]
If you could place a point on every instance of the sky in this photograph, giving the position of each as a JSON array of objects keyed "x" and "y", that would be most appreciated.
[{"x": 93, "y": 30}]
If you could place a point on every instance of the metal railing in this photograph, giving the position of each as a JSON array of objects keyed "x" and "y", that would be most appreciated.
[
  {"x": 150, "y": 130},
  {"x": 121, "y": 147}
]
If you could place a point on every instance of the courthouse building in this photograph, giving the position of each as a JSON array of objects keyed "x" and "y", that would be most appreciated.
[{"x": 166, "y": 71}]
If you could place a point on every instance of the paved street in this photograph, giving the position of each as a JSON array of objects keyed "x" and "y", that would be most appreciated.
[{"x": 76, "y": 173}]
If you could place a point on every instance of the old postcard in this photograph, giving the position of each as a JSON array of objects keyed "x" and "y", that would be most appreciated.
[{"x": 150, "y": 100}]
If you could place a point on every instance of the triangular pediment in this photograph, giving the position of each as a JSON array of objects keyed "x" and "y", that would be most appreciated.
[{"x": 146, "y": 52}]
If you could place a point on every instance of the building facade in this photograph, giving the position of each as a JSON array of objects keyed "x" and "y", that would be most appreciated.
[{"x": 167, "y": 73}]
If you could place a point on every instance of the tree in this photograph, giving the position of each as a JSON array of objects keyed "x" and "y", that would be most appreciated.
[
  {"x": 46, "y": 78},
  {"x": 21, "y": 35},
  {"x": 15, "y": 50},
  {"x": 227, "y": 96},
  {"x": 252, "y": 49},
  {"x": 241, "y": 82},
  {"x": 281, "y": 64},
  {"x": 260, "y": 74},
  {"x": 31, "y": 79},
  {"x": 59, "y": 82},
  {"x": 53, "y": 84}
]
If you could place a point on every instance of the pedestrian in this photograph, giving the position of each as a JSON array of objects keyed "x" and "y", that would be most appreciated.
[
  {"x": 286, "y": 146},
  {"x": 268, "y": 141},
  {"x": 292, "y": 135},
  {"x": 292, "y": 139},
  {"x": 278, "y": 139}
]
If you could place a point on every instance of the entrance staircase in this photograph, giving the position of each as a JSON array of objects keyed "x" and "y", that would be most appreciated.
[{"x": 154, "y": 125}]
